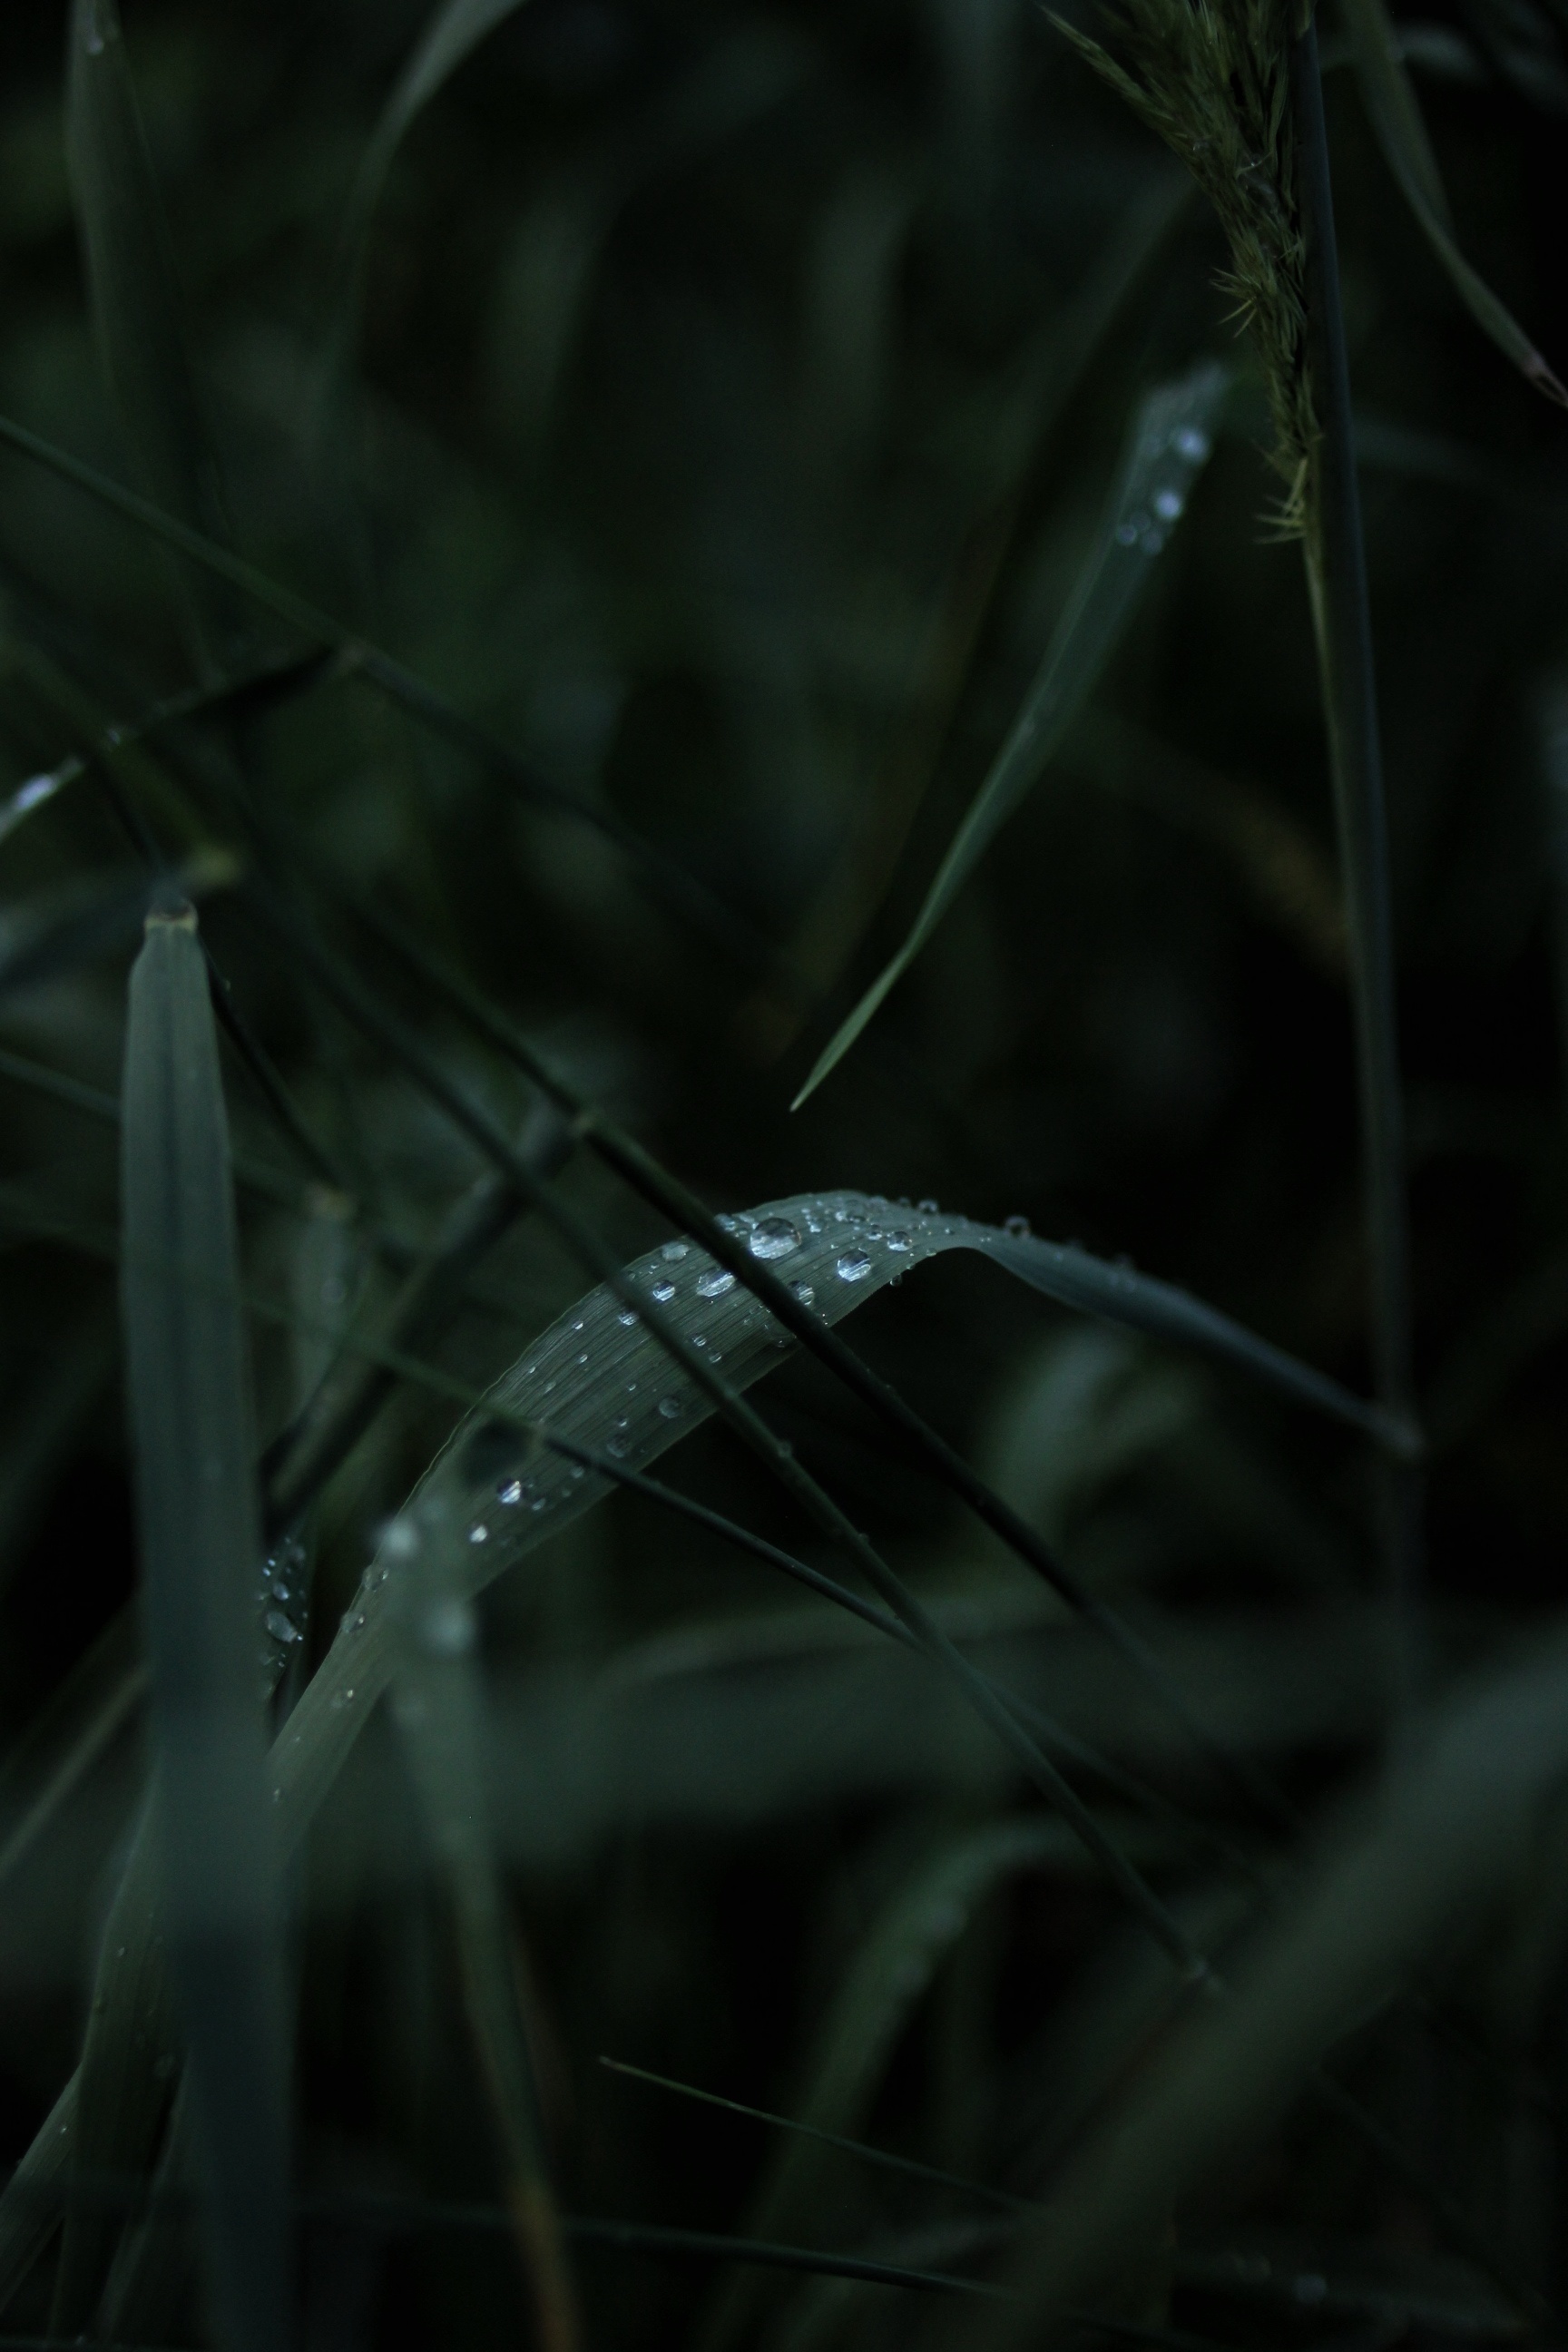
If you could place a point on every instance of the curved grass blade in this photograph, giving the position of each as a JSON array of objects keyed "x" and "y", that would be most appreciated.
[
  {"x": 452, "y": 33},
  {"x": 1168, "y": 448},
  {"x": 1446, "y": 1837},
  {"x": 1395, "y": 112},
  {"x": 438, "y": 1708},
  {"x": 199, "y": 1525},
  {"x": 135, "y": 305}
]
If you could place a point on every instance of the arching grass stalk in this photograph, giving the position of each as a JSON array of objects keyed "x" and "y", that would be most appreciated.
[{"x": 1233, "y": 87}]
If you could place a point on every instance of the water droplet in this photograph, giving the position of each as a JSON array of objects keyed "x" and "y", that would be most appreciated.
[
  {"x": 664, "y": 1292},
  {"x": 929, "y": 1208},
  {"x": 1017, "y": 1228},
  {"x": 628, "y": 1316},
  {"x": 479, "y": 1532},
  {"x": 669, "y": 1408},
  {"x": 1127, "y": 534},
  {"x": 509, "y": 1491},
  {"x": 1154, "y": 540},
  {"x": 715, "y": 1282},
  {"x": 901, "y": 1244},
  {"x": 537, "y": 1504},
  {"x": 725, "y": 1224},
  {"x": 717, "y": 1357},
  {"x": 805, "y": 1293},
  {"x": 1189, "y": 442},
  {"x": 698, "y": 1340},
  {"x": 772, "y": 1237},
  {"x": 673, "y": 1251},
  {"x": 583, "y": 1358},
  {"x": 1167, "y": 504},
  {"x": 853, "y": 1266},
  {"x": 616, "y": 1447}
]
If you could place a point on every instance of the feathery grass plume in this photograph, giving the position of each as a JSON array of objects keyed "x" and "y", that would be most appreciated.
[{"x": 1214, "y": 81}]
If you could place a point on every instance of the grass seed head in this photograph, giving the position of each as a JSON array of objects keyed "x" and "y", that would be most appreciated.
[{"x": 1212, "y": 78}]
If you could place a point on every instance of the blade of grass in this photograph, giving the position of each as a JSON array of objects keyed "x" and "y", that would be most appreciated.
[
  {"x": 664, "y": 1191},
  {"x": 100, "y": 919},
  {"x": 452, "y": 32},
  {"x": 1336, "y": 577},
  {"x": 200, "y": 1545},
  {"x": 1168, "y": 447},
  {"x": 880, "y": 2156},
  {"x": 1394, "y": 113},
  {"x": 438, "y": 1708},
  {"x": 1438, "y": 1851},
  {"x": 135, "y": 306}
]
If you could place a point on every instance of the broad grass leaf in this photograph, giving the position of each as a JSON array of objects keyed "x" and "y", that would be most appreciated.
[
  {"x": 1166, "y": 451},
  {"x": 199, "y": 1525},
  {"x": 599, "y": 1380},
  {"x": 1420, "y": 1874},
  {"x": 135, "y": 302},
  {"x": 1395, "y": 116}
]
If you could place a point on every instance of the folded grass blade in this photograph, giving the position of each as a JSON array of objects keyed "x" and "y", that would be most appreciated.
[
  {"x": 1168, "y": 448},
  {"x": 199, "y": 1525},
  {"x": 1395, "y": 116}
]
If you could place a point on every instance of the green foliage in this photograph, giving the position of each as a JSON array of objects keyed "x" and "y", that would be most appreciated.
[{"x": 578, "y": 537}]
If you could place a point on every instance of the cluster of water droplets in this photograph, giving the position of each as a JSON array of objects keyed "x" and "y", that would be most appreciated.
[
  {"x": 281, "y": 1604},
  {"x": 1148, "y": 526},
  {"x": 601, "y": 1380}
]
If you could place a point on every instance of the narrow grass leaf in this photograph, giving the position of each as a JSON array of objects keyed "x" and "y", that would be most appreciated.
[
  {"x": 1395, "y": 116},
  {"x": 438, "y": 1708},
  {"x": 199, "y": 1525},
  {"x": 1168, "y": 448},
  {"x": 132, "y": 285},
  {"x": 1421, "y": 1873}
]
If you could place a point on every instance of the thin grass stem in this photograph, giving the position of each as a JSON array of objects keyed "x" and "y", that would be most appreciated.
[{"x": 1335, "y": 557}]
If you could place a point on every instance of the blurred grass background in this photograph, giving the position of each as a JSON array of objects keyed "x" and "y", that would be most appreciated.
[{"x": 733, "y": 404}]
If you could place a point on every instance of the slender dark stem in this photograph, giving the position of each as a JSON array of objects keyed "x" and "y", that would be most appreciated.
[{"x": 1336, "y": 576}]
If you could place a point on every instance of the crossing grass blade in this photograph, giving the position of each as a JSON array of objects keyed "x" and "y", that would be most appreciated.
[
  {"x": 1167, "y": 449},
  {"x": 199, "y": 1524},
  {"x": 1395, "y": 112},
  {"x": 135, "y": 302},
  {"x": 438, "y": 1708}
]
